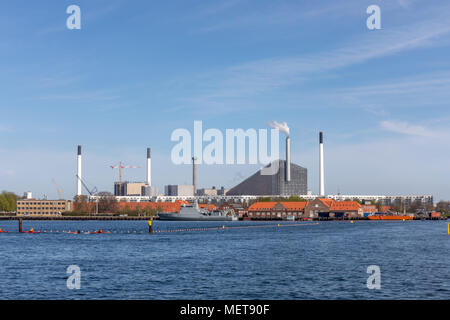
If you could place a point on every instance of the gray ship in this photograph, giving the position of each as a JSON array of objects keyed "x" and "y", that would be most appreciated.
[{"x": 193, "y": 213}]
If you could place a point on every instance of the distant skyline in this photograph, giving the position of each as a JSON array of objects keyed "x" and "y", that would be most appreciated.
[{"x": 138, "y": 70}]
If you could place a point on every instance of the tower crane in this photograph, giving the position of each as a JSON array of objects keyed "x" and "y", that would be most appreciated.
[
  {"x": 121, "y": 166},
  {"x": 58, "y": 190}
]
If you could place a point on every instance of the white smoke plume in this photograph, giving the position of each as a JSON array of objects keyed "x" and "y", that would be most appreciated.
[{"x": 283, "y": 127}]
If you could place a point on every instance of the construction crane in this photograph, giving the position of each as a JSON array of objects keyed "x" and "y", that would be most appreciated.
[
  {"x": 121, "y": 166},
  {"x": 58, "y": 190},
  {"x": 90, "y": 191}
]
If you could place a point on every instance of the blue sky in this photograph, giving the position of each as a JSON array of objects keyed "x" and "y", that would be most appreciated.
[{"x": 137, "y": 70}]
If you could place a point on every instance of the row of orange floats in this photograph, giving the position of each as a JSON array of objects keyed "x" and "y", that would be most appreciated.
[{"x": 100, "y": 231}]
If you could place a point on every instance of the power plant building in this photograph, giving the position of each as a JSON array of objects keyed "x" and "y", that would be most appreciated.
[
  {"x": 207, "y": 192},
  {"x": 179, "y": 190},
  {"x": 128, "y": 188},
  {"x": 149, "y": 191},
  {"x": 276, "y": 184}
]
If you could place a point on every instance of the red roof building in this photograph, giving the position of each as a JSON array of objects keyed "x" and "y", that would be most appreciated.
[
  {"x": 276, "y": 210},
  {"x": 328, "y": 208}
]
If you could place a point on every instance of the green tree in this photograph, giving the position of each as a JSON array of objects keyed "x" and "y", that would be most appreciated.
[
  {"x": 378, "y": 204},
  {"x": 8, "y": 201},
  {"x": 443, "y": 207}
]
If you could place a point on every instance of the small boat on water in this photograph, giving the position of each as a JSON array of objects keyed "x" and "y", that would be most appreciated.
[
  {"x": 193, "y": 213},
  {"x": 389, "y": 217}
]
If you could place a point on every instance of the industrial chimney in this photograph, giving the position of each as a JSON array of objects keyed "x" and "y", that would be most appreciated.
[
  {"x": 149, "y": 168},
  {"x": 321, "y": 172},
  {"x": 79, "y": 171},
  {"x": 194, "y": 174},
  {"x": 288, "y": 158}
]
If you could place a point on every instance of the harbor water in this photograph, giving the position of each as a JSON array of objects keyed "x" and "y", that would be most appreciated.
[{"x": 324, "y": 260}]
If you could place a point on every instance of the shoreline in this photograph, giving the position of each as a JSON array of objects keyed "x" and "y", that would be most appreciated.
[{"x": 146, "y": 218}]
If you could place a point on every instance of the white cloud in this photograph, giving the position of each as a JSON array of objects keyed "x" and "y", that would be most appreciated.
[{"x": 406, "y": 128}]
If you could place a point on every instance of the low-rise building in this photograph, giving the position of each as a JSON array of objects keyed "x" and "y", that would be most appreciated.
[
  {"x": 369, "y": 209},
  {"x": 234, "y": 208},
  {"x": 435, "y": 215},
  {"x": 318, "y": 208},
  {"x": 263, "y": 210},
  {"x": 341, "y": 209},
  {"x": 277, "y": 210},
  {"x": 34, "y": 207},
  {"x": 328, "y": 208}
]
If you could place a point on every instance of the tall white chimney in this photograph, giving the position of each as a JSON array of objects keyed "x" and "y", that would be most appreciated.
[
  {"x": 194, "y": 174},
  {"x": 149, "y": 168},
  {"x": 288, "y": 158},
  {"x": 321, "y": 172},
  {"x": 79, "y": 171}
]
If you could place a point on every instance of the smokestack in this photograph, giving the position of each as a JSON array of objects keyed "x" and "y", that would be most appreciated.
[
  {"x": 194, "y": 174},
  {"x": 149, "y": 167},
  {"x": 321, "y": 172},
  {"x": 288, "y": 158},
  {"x": 79, "y": 171}
]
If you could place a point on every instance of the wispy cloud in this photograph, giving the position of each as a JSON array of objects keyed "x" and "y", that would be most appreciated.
[
  {"x": 430, "y": 82},
  {"x": 406, "y": 128},
  {"x": 87, "y": 96},
  {"x": 419, "y": 91},
  {"x": 218, "y": 7},
  {"x": 284, "y": 13},
  {"x": 405, "y": 3},
  {"x": 263, "y": 75},
  {"x": 5, "y": 128}
]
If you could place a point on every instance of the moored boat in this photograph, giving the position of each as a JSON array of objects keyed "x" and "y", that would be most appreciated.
[
  {"x": 390, "y": 217},
  {"x": 193, "y": 213}
]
